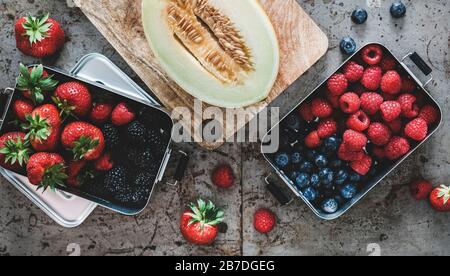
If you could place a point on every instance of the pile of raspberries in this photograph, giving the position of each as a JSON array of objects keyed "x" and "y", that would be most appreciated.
[{"x": 372, "y": 102}]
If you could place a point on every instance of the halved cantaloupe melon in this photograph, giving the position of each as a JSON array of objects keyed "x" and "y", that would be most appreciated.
[{"x": 223, "y": 52}]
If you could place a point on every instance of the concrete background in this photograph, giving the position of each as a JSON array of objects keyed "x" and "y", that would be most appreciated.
[{"x": 387, "y": 219}]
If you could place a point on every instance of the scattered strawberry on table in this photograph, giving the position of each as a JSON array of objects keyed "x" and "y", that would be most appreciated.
[
  {"x": 368, "y": 116},
  {"x": 439, "y": 197}
]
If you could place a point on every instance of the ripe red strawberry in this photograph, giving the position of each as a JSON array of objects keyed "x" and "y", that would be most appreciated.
[
  {"x": 388, "y": 63},
  {"x": 104, "y": 163},
  {"x": 358, "y": 121},
  {"x": 421, "y": 189},
  {"x": 313, "y": 140},
  {"x": 430, "y": 114},
  {"x": 440, "y": 199},
  {"x": 78, "y": 173},
  {"x": 417, "y": 129},
  {"x": 306, "y": 112},
  {"x": 350, "y": 102},
  {"x": 22, "y": 108},
  {"x": 395, "y": 125},
  {"x": 327, "y": 128},
  {"x": 73, "y": 98},
  {"x": 362, "y": 166},
  {"x": 14, "y": 151},
  {"x": 337, "y": 84},
  {"x": 354, "y": 141},
  {"x": 397, "y": 148},
  {"x": 371, "y": 102},
  {"x": 46, "y": 170},
  {"x": 353, "y": 71},
  {"x": 223, "y": 176},
  {"x": 408, "y": 85},
  {"x": 371, "y": 79},
  {"x": 122, "y": 115},
  {"x": 346, "y": 154},
  {"x": 379, "y": 134},
  {"x": 372, "y": 54},
  {"x": 35, "y": 82},
  {"x": 390, "y": 110},
  {"x": 391, "y": 83},
  {"x": 43, "y": 127},
  {"x": 199, "y": 225},
  {"x": 101, "y": 112},
  {"x": 39, "y": 37},
  {"x": 408, "y": 102},
  {"x": 321, "y": 108},
  {"x": 86, "y": 141},
  {"x": 264, "y": 221}
]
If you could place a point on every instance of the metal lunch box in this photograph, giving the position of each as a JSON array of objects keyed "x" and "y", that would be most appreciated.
[
  {"x": 407, "y": 63},
  {"x": 68, "y": 206}
]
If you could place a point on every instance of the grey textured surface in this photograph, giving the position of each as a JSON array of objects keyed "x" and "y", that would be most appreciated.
[{"x": 387, "y": 217}]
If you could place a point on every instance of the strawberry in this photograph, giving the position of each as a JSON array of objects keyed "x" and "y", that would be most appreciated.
[
  {"x": 440, "y": 199},
  {"x": 199, "y": 225},
  {"x": 73, "y": 98},
  {"x": 101, "y": 112},
  {"x": 34, "y": 82},
  {"x": 43, "y": 127},
  {"x": 39, "y": 37},
  {"x": 264, "y": 221},
  {"x": 223, "y": 177},
  {"x": 86, "y": 141},
  {"x": 104, "y": 163},
  {"x": 78, "y": 173},
  {"x": 421, "y": 189},
  {"x": 122, "y": 115},
  {"x": 46, "y": 170},
  {"x": 14, "y": 150},
  {"x": 22, "y": 108}
]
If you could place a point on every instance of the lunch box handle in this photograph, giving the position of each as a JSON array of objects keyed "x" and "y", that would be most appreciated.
[
  {"x": 277, "y": 193},
  {"x": 181, "y": 168},
  {"x": 10, "y": 93},
  {"x": 422, "y": 65}
]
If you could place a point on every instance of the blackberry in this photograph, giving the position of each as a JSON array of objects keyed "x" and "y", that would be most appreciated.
[
  {"x": 136, "y": 133},
  {"x": 155, "y": 141},
  {"x": 125, "y": 196},
  {"x": 112, "y": 136},
  {"x": 131, "y": 156},
  {"x": 142, "y": 187},
  {"x": 115, "y": 180},
  {"x": 145, "y": 159}
]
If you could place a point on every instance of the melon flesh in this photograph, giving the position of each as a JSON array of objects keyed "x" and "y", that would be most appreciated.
[{"x": 223, "y": 52}]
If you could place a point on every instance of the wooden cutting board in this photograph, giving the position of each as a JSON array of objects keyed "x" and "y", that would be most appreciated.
[{"x": 302, "y": 44}]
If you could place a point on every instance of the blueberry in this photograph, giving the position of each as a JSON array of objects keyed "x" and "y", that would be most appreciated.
[
  {"x": 398, "y": 9},
  {"x": 340, "y": 177},
  {"x": 315, "y": 180},
  {"x": 292, "y": 122},
  {"x": 331, "y": 144},
  {"x": 302, "y": 181},
  {"x": 282, "y": 160},
  {"x": 307, "y": 167},
  {"x": 348, "y": 45},
  {"x": 337, "y": 164},
  {"x": 359, "y": 16},
  {"x": 311, "y": 155},
  {"x": 326, "y": 176},
  {"x": 310, "y": 194},
  {"x": 321, "y": 161},
  {"x": 294, "y": 175},
  {"x": 296, "y": 157},
  {"x": 354, "y": 177},
  {"x": 330, "y": 206},
  {"x": 349, "y": 191}
]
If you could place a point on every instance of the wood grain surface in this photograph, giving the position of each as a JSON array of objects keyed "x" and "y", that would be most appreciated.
[{"x": 301, "y": 41}]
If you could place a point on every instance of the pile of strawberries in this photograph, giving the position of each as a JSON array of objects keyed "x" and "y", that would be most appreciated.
[
  {"x": 372, "y": 102},
  {"x": 51, "y": 118}
]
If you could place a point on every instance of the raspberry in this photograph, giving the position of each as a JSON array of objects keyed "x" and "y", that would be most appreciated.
[
  {"x": 391, "y": 83},
  {"x": 372, "y": 54},
  {"x": 353, "y": 71},
  {"x": 354, "y": 141},
  {"x": 396, "y": 125},
  {"x": 420, "y": 189},
  {"x": 349, "y": 102},
  {"x": 390, "y": 110},
  {"x": 371, "y": 79},
  {"x": 410, "y": 109},
  {"x": 378, "y": 152},
  {"x": 417, "y": 129},
  {"x": 223, "y": 176},
  {"x": 306, "y": 112},
  {"x": 363, "y": 166},
  {"x": 388, "y": 63},
  {"x": 359, "y": 121},
  {"x": 345, "y": 154},
  {"x": 321, "y": 108},
  {"x": 379, "y": 134},
  {"x": 408, "y": 85},
  {"x": 430, "y": 114},
  {"x": 371, "y": 102},
  {"x": 337, "y": 84},
  {"x": 397, "y": 148},
  {"x": 312, "y": 140},
  {"x": 334, "y": 100},
  {"x": 327, "y": 128}
]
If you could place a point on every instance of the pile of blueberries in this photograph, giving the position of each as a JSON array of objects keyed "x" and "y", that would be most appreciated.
[{"x": 319, "y": 175}]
